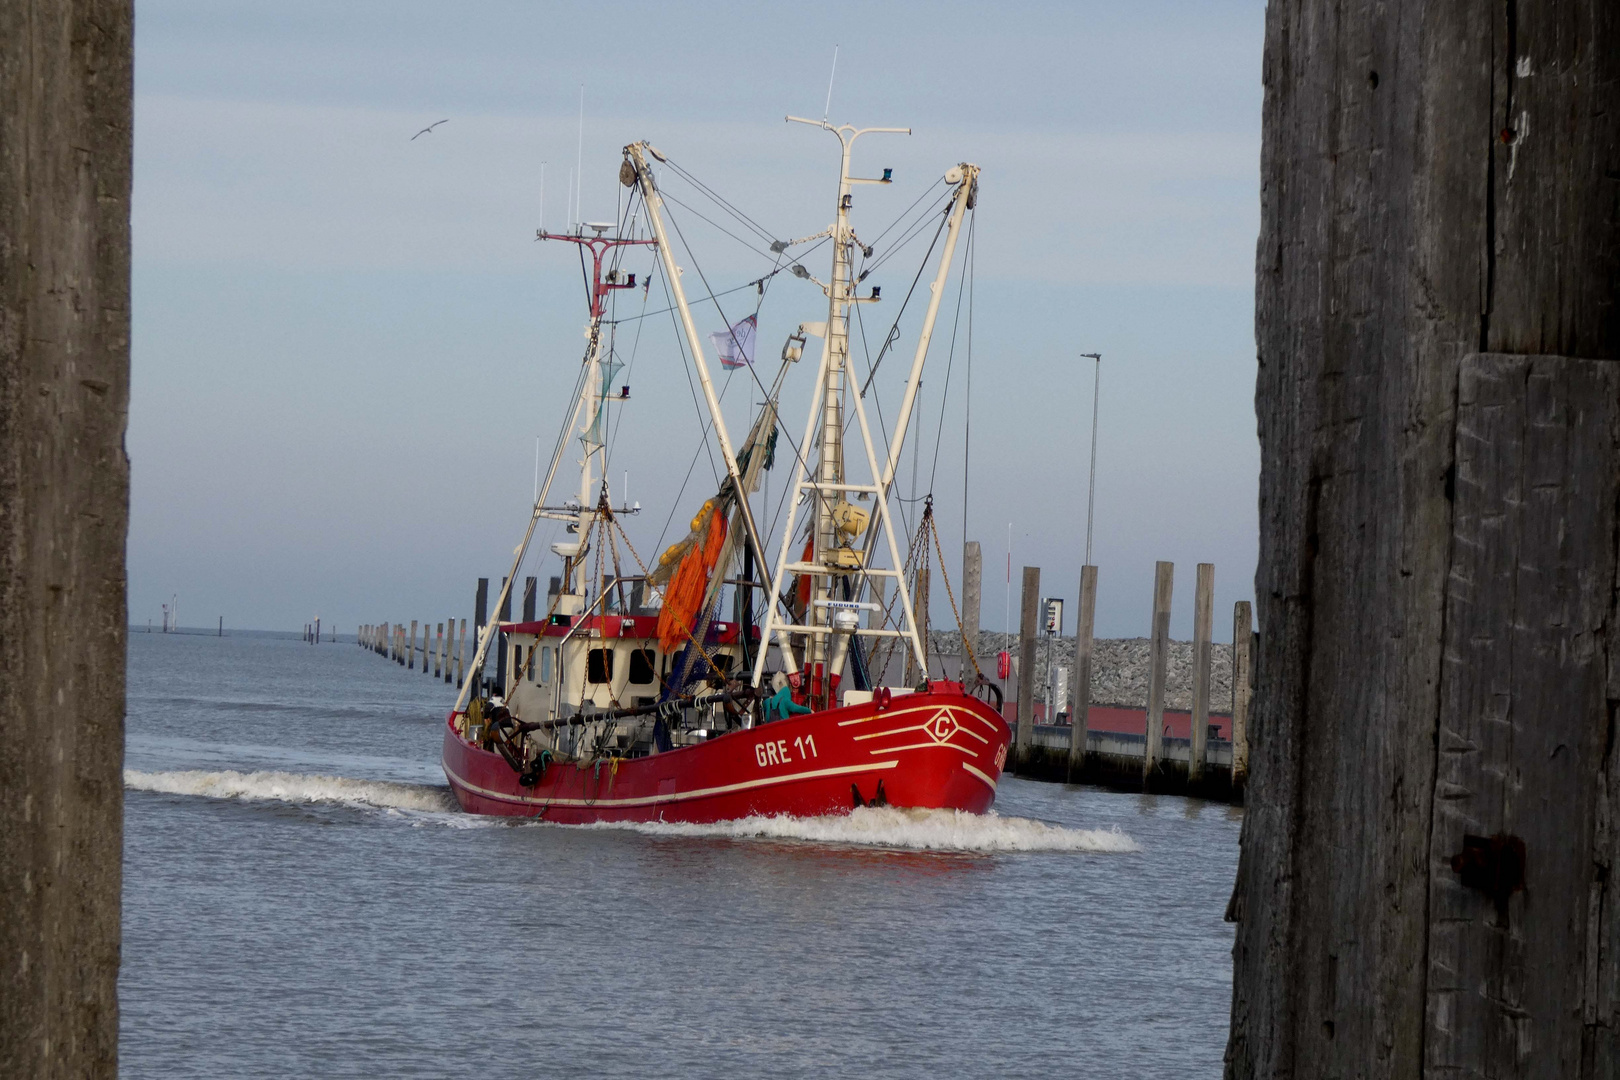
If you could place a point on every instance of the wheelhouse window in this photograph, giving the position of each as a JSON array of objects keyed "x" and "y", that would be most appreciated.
[
  {"x": 642, "y": 667},
  {"x": 599, "y": 666},
  {"x": 545, "y": 665}
]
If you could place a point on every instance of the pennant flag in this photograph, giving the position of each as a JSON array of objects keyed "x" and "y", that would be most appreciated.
[{"x": 735, "y": 347}]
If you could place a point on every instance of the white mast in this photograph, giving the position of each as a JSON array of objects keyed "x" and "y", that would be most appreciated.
[{"x": 831, "y": 620}]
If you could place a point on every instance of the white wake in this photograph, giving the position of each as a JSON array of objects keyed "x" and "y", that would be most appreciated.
[
  {"x": 891, "y": 827},
  {"x": 882, "y": 827},
  {"x": 294, "y": 788}
]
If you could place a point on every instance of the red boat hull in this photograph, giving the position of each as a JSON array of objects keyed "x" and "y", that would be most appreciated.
[{"x": 940, "y": 749}]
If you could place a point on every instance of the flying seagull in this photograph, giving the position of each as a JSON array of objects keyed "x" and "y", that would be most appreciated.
[{"x": 429, "y": 128}]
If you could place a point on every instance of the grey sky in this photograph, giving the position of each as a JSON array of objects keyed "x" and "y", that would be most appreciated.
[{"x": 346, "y": 341}]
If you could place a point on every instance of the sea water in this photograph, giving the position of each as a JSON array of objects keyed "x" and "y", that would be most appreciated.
[{"x": 303, "y": 899}]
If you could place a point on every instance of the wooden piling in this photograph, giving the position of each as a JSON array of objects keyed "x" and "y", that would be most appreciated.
[
  {"x": 972, "y": 592},
  {"x": 500, "y": 643},
  {"x": 410, "y": 649},
  {"x": 461, "y": 658},
  {"x": 427, "y": 645},
  {"x": 449, "y": 650},
  {"x": 66, "y": 85},
  {"x": 1427, "y": 878},
  {"x": 919, "y": 604},
  {"x": 1028, "y": 620},
  {"x": 1158, "y": 663},
  {"x": 438, "y": 652},
  {"x": 1203, "y": 602},
  {"x": 1080, "y": 711},
  {"x": 1242, "y": 690}
]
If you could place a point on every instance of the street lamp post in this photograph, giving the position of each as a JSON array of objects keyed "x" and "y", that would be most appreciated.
[{"x": 1091, "y": 486}]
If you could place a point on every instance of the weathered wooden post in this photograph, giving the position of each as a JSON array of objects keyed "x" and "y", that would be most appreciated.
[
  {"x": 972, "y": 582},
  {"x": 501, "y": 647},
  {"x": 438, "y": 652},
  {"x": 427, "y": 644},
  {"x": 461, "y": 658},
  {"x": 1426, "y": 885},
  {"x": 1203, "y": 626},
  {"x": 1242, "y": 690},
  {"x": 65, "y": 122},
  {"x": 919, "y": 604},
  {"x": 1028, "y": 620},
  {"x": 1080, "y": 711},
  {"x": 1158, "y": 665},
  {"x": 449, "y": 650},
  {"x": 480, "y": 617},
  {"x": 410, "y": 649}
]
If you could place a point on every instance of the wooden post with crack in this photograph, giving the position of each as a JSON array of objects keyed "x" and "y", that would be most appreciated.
[
  {"x": 1429, "y": 841},
  {"x": 66, "y": 94}
]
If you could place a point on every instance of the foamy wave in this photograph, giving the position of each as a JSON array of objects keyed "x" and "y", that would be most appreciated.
[
  {"x": 887, "y": 827},
  {"x": 892, "y": 827},
  {"x": 294, "y": 788}
]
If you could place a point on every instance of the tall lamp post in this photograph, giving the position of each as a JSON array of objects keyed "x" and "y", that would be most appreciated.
[{"x": 1091, "y": 486}]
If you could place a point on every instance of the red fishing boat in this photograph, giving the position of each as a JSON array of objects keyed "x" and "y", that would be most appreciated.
[{"x": 646, "y": 694}]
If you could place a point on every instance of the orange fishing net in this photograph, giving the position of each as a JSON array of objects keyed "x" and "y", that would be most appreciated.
[{"x": 690, "y": 581}]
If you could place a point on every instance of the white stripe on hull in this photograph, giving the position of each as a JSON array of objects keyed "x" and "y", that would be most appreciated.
[{"x": 680, "y": 796}]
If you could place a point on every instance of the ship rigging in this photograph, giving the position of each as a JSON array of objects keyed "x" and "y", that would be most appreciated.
[{"x": 636, "y": 670}]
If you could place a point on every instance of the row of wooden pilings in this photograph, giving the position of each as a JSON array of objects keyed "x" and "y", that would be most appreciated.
[
  {"x": 1130, "y": 761},
  {"x": 445, "y": 651}
]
